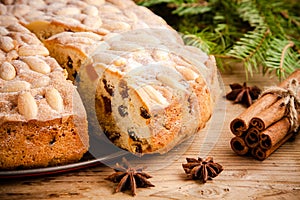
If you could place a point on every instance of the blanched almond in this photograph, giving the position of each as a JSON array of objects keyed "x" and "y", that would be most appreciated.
[
  {"x": 37, "y": 64},
  {"x": 3, "y": 31},
  {"x": 34, "y": 16},
  {"x": 105, "y": 58},
  {"x": 54, "y": 99},
  {"x": 96, "y": 3},
  {"x": 131, "y": 15},
  {"x": 90, "y": 35},
  {"x": 125, "y": 46},
  {"x": 148, "y": 92},
  {"x": 20, "y": 9},
  {"x": 12, "y": 55},
  {"x": 6, "y": 43},
  {"x": 171, "y": 81},
  {"x": 93, "y": 22},
  {"x": 27, "y": 106},
  {"x": 30, "y": 50},
  {"x": 67, "y": 38},
  {"x": 2, "y": 56},
  {"x": 68, "y": 11},
  {"x": 119, "y": 62},
  {"x": 41, "y": 82},
  {"x": 113, "y": 25},
  {"x": 6, "y": 20},
  {"x": 109, "y": 8},
  {"x": 187, "y": 73},
  {"x": 3, "y": 9},
  {"x": 16, "y": 27},
  {"x": 160, "y": 54},
  {"x": 143, "y": 37},
  {"x": 15, "y": 86},
  {"x": 7, "y": 71},
  {"x": 91, "y": 10}
]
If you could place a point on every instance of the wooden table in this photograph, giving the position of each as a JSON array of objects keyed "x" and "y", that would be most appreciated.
[{"x": 277, "y": 177}]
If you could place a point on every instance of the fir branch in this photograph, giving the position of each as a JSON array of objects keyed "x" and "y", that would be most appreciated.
[
  {"x": 249, "y": 12},
  {"x": 263, "y": 35},
  {"x": 148, "y": 3},
  {"x": 291, "y": 19},
  {"x": 198, "y": 41},
  {"x": 194, "y": 8},
  {"x": 250, "y": 49},
  {"x": 281, "y": 58},
  {"x": 283, "y": 55}
]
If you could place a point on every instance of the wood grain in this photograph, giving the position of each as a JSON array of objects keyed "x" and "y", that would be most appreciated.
[{"x": 277, "y": 177}]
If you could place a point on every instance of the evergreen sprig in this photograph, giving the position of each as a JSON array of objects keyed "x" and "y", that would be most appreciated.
[
  {"x": 192, "y": 8},
  {"x": 264, "y": 35},
  {"x": 249, "y": 12},
  {"x": 251, "y": 48},
  {"x": 281, "y": 57}
]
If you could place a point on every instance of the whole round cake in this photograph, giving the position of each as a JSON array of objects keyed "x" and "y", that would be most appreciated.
[{"x": 149, "y": 91}]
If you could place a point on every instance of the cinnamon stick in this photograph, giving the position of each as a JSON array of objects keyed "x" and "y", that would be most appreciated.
[
  {"x": 252, "y": 137},
  {"x": 239, "y": 146},
  {"x": 274, "y": 133},
  {"x": 240, "y": 124},
  {"x": 273, "y": 137},
  {"x": 294, "y": 75},
  {"x": 269, "y": 116},
  {"x": 261, "y": 154}
]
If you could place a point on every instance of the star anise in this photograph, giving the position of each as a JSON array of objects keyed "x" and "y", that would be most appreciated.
[
  {"x": 243, "y": 94},
  {"x": 129, "y": 178},
  {"x": 202, "y": 169}
]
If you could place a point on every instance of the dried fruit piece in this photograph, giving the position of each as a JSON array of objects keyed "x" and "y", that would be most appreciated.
[
  {"x": 144, "y": 113},
  {"x": 123, "y": 110}
]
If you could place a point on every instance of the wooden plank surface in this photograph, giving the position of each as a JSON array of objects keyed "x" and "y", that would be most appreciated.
[{"x": 278, "y": 177}]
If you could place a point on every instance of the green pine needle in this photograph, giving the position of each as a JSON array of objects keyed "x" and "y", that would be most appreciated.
[
  {"x": 264, "y": 35},
  {"x": 191, "y": 9}
]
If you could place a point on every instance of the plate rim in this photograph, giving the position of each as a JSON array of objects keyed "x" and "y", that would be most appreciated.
[{"x": 9, "y": 174}]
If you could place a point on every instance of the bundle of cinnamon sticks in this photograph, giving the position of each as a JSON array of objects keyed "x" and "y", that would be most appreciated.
[{"x": 266, "y": 124}]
